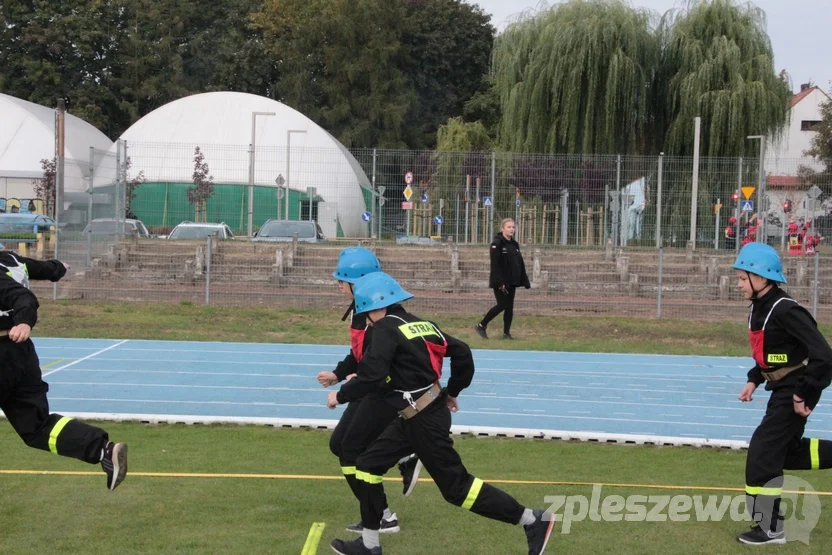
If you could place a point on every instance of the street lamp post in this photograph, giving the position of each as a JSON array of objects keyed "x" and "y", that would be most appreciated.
[
  {"x": 289, "y": 165},
  {"x": 761, "y": 187},
  {"x": 251, "y": 171}
]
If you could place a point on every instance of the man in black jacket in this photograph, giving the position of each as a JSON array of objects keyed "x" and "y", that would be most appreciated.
[
  {"x": 405, "y": 360},
  {"x": 508, "y": 272},
  {"x": 22, "y": 389}
]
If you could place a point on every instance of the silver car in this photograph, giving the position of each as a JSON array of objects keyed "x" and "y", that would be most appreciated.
[{"x": 283, "y": 230}]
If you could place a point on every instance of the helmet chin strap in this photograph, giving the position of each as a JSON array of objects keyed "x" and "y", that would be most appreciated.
[{"x": 754, "y": 292}]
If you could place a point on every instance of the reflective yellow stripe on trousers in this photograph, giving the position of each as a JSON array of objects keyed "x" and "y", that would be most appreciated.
[
  {"x": 814, "y": 454},
  {"x": 473, "y": 493},
  {"x": 367, "y": 477},
  {"x": 348, "y": 470},
  {"x": 56, "y": 431},
  {"x": 772, "y": 492}
]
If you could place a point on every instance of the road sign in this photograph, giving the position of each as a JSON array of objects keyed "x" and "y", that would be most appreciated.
[
  {"x": 424, "y": 198},
  {"x": 381, "y": 201},
  {"x": 438, "y": 220},
  {"x": 748, "y": 191},
  {"x": 486, "y": 201},
  {"x": 367, "y": 216},
  {"x": 280, "y": 181},
  {"x": 408, "y": 178},
  {"x": 281, "y": 193},
  {"x": 518, "y": 203},
  {"x": 748, "y": 206},
  {"x": 408, "y": 192},
  {"x": 814, "y": 192},
  {"x": 716, "y": 208},
  {"x": 407, "y": 206},
  {"x": 381, "y": 189}
]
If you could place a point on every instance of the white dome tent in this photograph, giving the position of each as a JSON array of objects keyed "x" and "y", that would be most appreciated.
[
  {"x": 290, "y": 149},
  {"x": 27, "y": 136}
]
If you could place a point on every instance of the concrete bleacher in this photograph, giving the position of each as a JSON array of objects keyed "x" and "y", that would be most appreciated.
[{"x": 445, "y": 277}]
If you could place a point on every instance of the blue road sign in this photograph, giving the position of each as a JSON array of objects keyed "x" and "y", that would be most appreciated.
[
  {"x": 748, "y": 206},
  {"x": 424, "y": 198},
  {"x": 486, "y": 201},
  {"x": 438, "y": 220},
  {"x": 367, "y": 216},
  {"x": 518, "y": 203}
]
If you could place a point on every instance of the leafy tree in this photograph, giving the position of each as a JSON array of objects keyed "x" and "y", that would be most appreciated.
[
  {"x": 45, "y": 187},
  {"x": 203, "y": 188},
  {"x": 821, "y": 145}
]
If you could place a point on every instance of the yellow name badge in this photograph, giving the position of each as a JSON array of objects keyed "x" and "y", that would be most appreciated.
[
  {"x": 777, "y": 359},
  {"x": 418, "y": 329}
]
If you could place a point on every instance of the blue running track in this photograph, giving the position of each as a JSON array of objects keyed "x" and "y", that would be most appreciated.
[{"x": 592, "y": 395}]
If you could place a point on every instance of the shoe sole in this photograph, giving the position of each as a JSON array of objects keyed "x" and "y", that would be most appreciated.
[
  {"x": 549, "y": 531},
  {"x": 415, "y": 479},
  {"x": 119, "y": 464},
  {"x": 390, "y": 530},
  {"x": 778, "y": 541}
]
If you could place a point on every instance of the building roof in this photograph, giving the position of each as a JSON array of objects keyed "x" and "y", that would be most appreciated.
[
  {"x": 803, "y": 94},
  {"x": 27, "y": 135}
]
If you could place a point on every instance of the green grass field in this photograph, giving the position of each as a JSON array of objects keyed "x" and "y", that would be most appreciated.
[{"x": 226, "y": 510}]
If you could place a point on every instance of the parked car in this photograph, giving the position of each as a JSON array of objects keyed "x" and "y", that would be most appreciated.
[
  {"x": 192, "y": 230},
  {"x": 25, "y": 223},
  {"x": 283, "y": 230},
  {"x": 109, "y": 226}
]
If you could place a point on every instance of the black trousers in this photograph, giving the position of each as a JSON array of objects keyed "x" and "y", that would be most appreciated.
[
  {"x": 777, "y": 445},
  {"x": 23, "y": 400},
  {"x": 428, "y": 434},
  {"x": 505, "y": 304},
  {"x": 361, "y": 423}
]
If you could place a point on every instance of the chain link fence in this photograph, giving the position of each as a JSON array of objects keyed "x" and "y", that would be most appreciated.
[{"x": 601, "y": 235}]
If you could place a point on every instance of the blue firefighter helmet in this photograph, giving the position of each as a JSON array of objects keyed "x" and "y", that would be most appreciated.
[
  {"x": 760, "y": 259},
  {"x": 355, "y": 262},
  {"x": 378, "y": 290}
]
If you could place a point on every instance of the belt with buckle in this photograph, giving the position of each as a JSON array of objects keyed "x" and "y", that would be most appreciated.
[
  {"x": 426, "y": 399},
  {"x": 781, "y": 373},
  {"x": 4, "y": 333}
]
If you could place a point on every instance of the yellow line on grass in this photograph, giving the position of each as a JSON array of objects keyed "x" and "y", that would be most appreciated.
[
  {"x": 336, "y": 478},
  {"x": 313, "y": 539}
]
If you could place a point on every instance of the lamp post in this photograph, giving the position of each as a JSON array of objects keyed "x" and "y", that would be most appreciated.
[
  {"x": 761, "y": 186},
  {"x": 289, "y": 165},
  {"x": 251, "y": 171}
]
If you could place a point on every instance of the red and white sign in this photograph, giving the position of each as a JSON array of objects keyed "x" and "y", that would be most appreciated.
[
  {"x": 407, "y": 205},
  {"x": 408, "y": 178}
]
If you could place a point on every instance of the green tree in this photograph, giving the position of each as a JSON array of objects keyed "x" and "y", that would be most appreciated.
[
  {"x": 717, "y": 63},
  {"x": 203, "y": 188},
  {"x": 339, "y": 64},
  {"x": 447, "y": 48},
  {"x": 821, "y": 145},
  {"x": 574, "y": 79},
  {"x": 69, "y": 50}
]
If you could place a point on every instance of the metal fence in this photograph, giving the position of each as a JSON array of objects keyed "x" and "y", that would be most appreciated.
[{"x": 601, "y": 235}]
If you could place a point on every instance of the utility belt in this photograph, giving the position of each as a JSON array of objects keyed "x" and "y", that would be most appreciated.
[
  {"x": 431, "y": 393},
  {"x": 4, "y": 333},
  {"x": 781, "y": 373}
]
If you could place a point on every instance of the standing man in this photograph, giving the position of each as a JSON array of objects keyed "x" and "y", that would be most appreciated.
[
  {"x": 22, "y": 389},
  {"x": 406, "y": 358},
  {"x": 508, "y": 272}
]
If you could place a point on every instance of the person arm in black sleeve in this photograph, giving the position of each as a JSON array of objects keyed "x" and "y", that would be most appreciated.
[
  {"x": 497, "y": 279},
  {"x": 51, "y": 270},
  {"x": 755, "y": 378},
  {"x": 818, "y": 373},
  {"x": 462, "y": 369},
  {"x": 373, "y": 368}
]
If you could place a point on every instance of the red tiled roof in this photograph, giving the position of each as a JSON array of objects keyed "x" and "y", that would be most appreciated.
[
  {"x": 803, "y": 94},
  {"x": 782, "y": 181}
]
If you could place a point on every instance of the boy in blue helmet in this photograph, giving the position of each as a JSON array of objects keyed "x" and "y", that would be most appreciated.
[
  {"x": 364, "y": 419},
  {"x": 406, "y": 358},
  {"x": 795, "y": 361}
]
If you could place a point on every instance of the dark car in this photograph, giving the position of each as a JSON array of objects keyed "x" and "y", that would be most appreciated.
[{"x": 283, "y": 230}]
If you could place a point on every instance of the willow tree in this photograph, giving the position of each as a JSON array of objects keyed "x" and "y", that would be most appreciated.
[
  {"x": 718, "y": 64},
  {"x": 574, "y": 78}
]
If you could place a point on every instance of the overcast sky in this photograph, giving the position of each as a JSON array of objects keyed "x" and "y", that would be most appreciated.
[{"x": 799, "y": 31}]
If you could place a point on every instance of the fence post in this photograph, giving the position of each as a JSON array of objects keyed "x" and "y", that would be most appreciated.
[
  {"x": 208, "y": 270},
  {"x": 564, "y": 216},
  {"x": 89, "y": 207},
  {"x": 815, "y": 292},
  {"x": 659, "y": 288},
  {"x": 737, "y": 208},
  {"x": 493, "y": 189},
  {"x": 616, "y": 206},
  {"x": 659, "y": 204}
]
